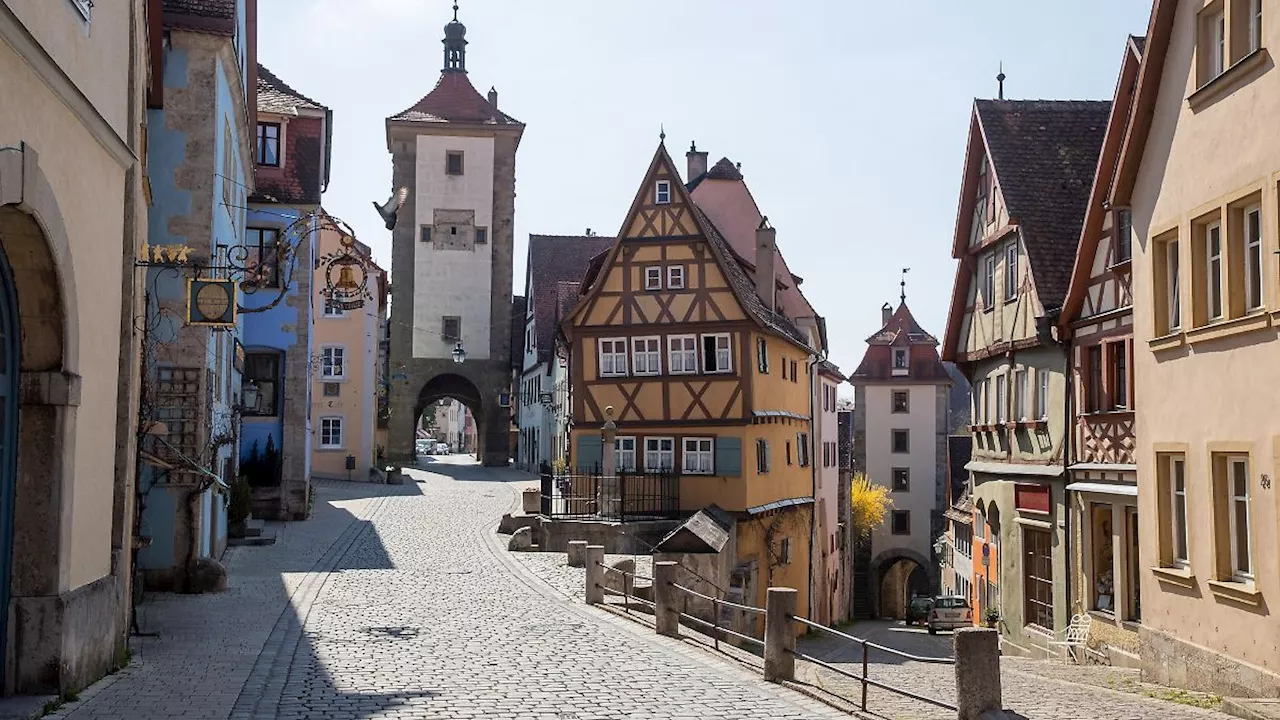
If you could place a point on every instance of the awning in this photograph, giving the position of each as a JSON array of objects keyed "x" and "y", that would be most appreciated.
[
  {"x": 779, "y": 413},
  {"x": 1104, "y": 488},
  {"x": 998, "y": 468},
  {"x": 779, "y": 505}
]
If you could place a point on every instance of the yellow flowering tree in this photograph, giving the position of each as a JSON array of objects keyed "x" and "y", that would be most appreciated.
[{"x": 871, "y": 503}]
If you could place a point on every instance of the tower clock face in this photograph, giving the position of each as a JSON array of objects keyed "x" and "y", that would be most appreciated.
[{"x": 212, "y": 302}]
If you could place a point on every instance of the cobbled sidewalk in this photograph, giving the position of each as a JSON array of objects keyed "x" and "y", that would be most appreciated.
[{"x": 399, "y": 602}]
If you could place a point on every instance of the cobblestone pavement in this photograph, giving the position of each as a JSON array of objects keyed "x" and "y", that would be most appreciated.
[
  {"x": 1035, "y": 689},
  {"x": 398, "y": 602}
]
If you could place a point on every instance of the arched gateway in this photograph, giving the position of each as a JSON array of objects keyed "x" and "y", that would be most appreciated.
[{"x": 451, "y": 258}]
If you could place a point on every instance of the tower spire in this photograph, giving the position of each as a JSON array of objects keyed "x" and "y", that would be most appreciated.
[
  {"x": 903, "y": 285},
  {"x": 455, "y": 44},
  {"x": 1000, "y": 80}
]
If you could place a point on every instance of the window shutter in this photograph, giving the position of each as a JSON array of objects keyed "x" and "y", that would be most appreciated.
[
  {"x": 590, "y": 452},
  {"x": 728, "y": 456}
]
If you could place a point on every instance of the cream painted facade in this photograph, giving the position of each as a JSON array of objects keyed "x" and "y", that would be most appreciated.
[
  {"x": 349, "y": 398},
  {"x": 453, "y": 272},
  {"x": 1208, "y": 387},
  {"x": 72, "y": 216}
]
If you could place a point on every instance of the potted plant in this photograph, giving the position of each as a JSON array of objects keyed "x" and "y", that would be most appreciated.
[
  {"x": 991, "y": 616},
  {"x": 532, "y": 500},
  {"x": 238, "y": 506}
]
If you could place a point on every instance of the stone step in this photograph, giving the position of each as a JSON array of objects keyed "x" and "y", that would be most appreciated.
[
  {"x": 253, "y": 527},
  {"x": 1252, "y": 708},
  {"x": 265, "y": 537}
]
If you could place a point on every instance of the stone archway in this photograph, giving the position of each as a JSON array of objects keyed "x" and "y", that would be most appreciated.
[
  {"x": 454, "y": 386},
  {"x": 896, "y": 574},
  {"x": 59, "y": 634}
]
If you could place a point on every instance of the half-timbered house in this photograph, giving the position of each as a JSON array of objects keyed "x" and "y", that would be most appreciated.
[
  {"x": 1028, "y": 170},
  {"x": 1097, "y": 318},
  {"x": 675, "y": 342}
]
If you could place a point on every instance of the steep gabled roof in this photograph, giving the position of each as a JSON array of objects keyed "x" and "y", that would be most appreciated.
[
  {"x": 1044, "y": 153},
  {"x": 554, "y": 259},
  {"x": 1104, "y": 174},
  {"x": 1154, "y": 49},
  {"x": 454, "y": 100},
  {"x": 275, "y": 96},
  {"x": 902, "y": 330}
]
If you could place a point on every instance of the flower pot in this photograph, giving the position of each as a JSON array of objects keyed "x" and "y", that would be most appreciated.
[{"x": 532, "y": 501}]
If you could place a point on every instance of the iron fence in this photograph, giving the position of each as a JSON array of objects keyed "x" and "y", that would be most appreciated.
[{"x": 592, "y": 495}]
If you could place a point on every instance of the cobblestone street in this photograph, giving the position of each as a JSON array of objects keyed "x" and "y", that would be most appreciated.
[{"x": 399, "y": 602}]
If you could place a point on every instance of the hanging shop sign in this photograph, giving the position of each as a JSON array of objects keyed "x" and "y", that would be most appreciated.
[
  {"x": 211, "y": 302},
  {"x": 346, "y": 277},
  {"x": 165, "y": 255}
]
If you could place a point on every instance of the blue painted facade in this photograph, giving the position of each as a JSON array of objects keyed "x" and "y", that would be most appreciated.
[{"x": 192, "y": 384}]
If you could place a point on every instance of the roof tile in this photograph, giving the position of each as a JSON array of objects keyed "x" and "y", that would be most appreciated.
[
  {"x": 553, "y": 261},
  {"x": 1044, "y": 153},
  {"x": 275, "y": 96},
  {"x": 454, "y": 99}
]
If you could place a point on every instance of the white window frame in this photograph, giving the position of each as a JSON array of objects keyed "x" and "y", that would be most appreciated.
[
  {"x": 332, "y": 356},
  {"x": 675, "y": 277},
  {"x": 327, "y": 432},
  {"x": 653, "y": 277},
  {"x": 989, "y": 281},
  {"x": 1020, "y": 391},
  {"x": 1213, "y": 260},
  {"x": 1174, "y": 286},
  {"x": 332, "y": 311},
  {"x": 1218, "y": 56},
  {"x": 1011, "y": 272},
  {"x": 1181, "y": 549},
  {"x": 704, "y": 460},
  {"x": 1234, "y": 501},
  {"x": 614, "y": 354},
  {"x": 658, "y": 453},
  {"x": 1002, "y": 397},
  {"x": 727, "y": 350},
  {"x": 662, "y": 192},
  {"x": 906, "y": 360},
  {"x": 1253, "y": 260},
  {"x": 678, "y": 357},
  {"x": 1255, "y": 25},
  {"x": 624, "y": 458},
  {"x": 648, "y": 357}
]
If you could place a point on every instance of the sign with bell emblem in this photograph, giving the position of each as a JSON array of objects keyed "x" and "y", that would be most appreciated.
[
  {"x": 211, "y": 302},
  {"x": 346, "y": 277}
]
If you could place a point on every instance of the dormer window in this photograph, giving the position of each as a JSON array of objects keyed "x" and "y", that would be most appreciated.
[
  {"x": 900, "y": 362},
  {"x": 268, "y": 144},
  {"x": 662, "y": 193}
]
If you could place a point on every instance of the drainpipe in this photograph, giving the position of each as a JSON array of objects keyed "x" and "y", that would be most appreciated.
[
  {"x": 1068, "y": 448},
  {"x": 813, "y": 481}
]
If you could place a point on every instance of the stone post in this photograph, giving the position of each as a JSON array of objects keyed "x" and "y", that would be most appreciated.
[
  {"x": 610, "y": 502},
  {"x": 577, "y": 553},
  {"x": 666, "y": 604},
  {"x": 595, "y": 574},
  {"x": 779, "y": 639},
  {"x": 977, "y": 652}
]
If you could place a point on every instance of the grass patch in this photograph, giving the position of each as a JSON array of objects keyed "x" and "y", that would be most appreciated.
[
  {"x": 50, "y": 707},
  {"x": 1183, "y": 697}
]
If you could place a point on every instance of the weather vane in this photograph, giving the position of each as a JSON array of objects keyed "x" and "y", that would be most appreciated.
[
  {"x": 903, "y": 284},
  {"x": 455, "y": 11}
]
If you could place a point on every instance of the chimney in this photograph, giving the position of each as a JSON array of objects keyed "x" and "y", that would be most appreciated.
[
  {"x": 493, "y": 97},
  {"x": 766, "y": 284},
  {"x": 697, "y": 162},
  {"x": 886, "y": 312}
]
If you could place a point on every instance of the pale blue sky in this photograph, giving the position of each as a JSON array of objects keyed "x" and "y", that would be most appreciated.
[{"x": 849, "y": 118}]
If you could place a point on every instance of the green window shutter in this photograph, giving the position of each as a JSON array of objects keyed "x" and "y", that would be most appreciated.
[
  {"x": 728, "y": 456},
  {"x": 590, "y": 452}
]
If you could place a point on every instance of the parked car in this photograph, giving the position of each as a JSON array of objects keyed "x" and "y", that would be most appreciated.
[
  {"x": 949, "y": 612},
  {"x": 423, "y": 447},
  {"x": 442, "y": 448},
  {"x": 918, "y": 609}
]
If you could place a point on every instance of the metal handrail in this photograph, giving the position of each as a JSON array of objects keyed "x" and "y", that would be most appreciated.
[
  {"x": 637, "y": 576},
  {"x": 868, "y": 681},
  {"x": 726, "y": 631},
  {"x": 868, "y": 643},
  {"x": 718, "y": 601}
]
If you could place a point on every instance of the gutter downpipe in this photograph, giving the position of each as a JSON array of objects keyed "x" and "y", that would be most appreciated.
[{"x": 813, "y": 479}]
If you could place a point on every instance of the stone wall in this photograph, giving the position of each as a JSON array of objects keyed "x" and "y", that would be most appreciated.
[{"x": 1169, "y": 661}]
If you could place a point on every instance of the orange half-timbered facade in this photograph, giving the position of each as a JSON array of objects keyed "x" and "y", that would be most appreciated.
[{"x": 704, "y": 377}]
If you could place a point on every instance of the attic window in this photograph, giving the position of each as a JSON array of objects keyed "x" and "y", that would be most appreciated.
[
  {"x": 900, "y": 362},
  {"x": 662, "y": 193}
]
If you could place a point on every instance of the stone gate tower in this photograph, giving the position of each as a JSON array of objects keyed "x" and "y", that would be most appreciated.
[{"x": 451, "y": 255}]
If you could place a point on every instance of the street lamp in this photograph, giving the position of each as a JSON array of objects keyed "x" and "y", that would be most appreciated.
[
  {"x": 249, "y": 397},
  {"x": 459, "y": 355}
]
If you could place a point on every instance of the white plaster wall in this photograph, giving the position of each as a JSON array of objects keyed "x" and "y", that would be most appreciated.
[
  {"x": 921, "y": 421},
  {"x": 452, "y": 282}
]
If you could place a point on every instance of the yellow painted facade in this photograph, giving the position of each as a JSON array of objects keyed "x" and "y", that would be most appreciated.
[{"x": 670, "y": 336}]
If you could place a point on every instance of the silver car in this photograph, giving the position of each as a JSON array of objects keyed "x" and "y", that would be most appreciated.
[{"x": 950, "y": 612}]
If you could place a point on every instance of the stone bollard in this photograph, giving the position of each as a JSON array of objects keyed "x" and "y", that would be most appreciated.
[
  {"x": 666, "y": 604},
  {"x": 594, "y": 559},
  {"x": 779, "y": 638},
  {"x": 977, "y": 652},
  {"x": 577, "y": 553}
]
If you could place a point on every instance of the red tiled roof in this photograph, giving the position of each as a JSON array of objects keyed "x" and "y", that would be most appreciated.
[
  {"x": 275, "y": 96},
  {"x": 902, "y": 330},
  {"x": 455, "y": 100},
  {"x": 215, "y": 16},
  {"x": 553, "y": 261}
]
